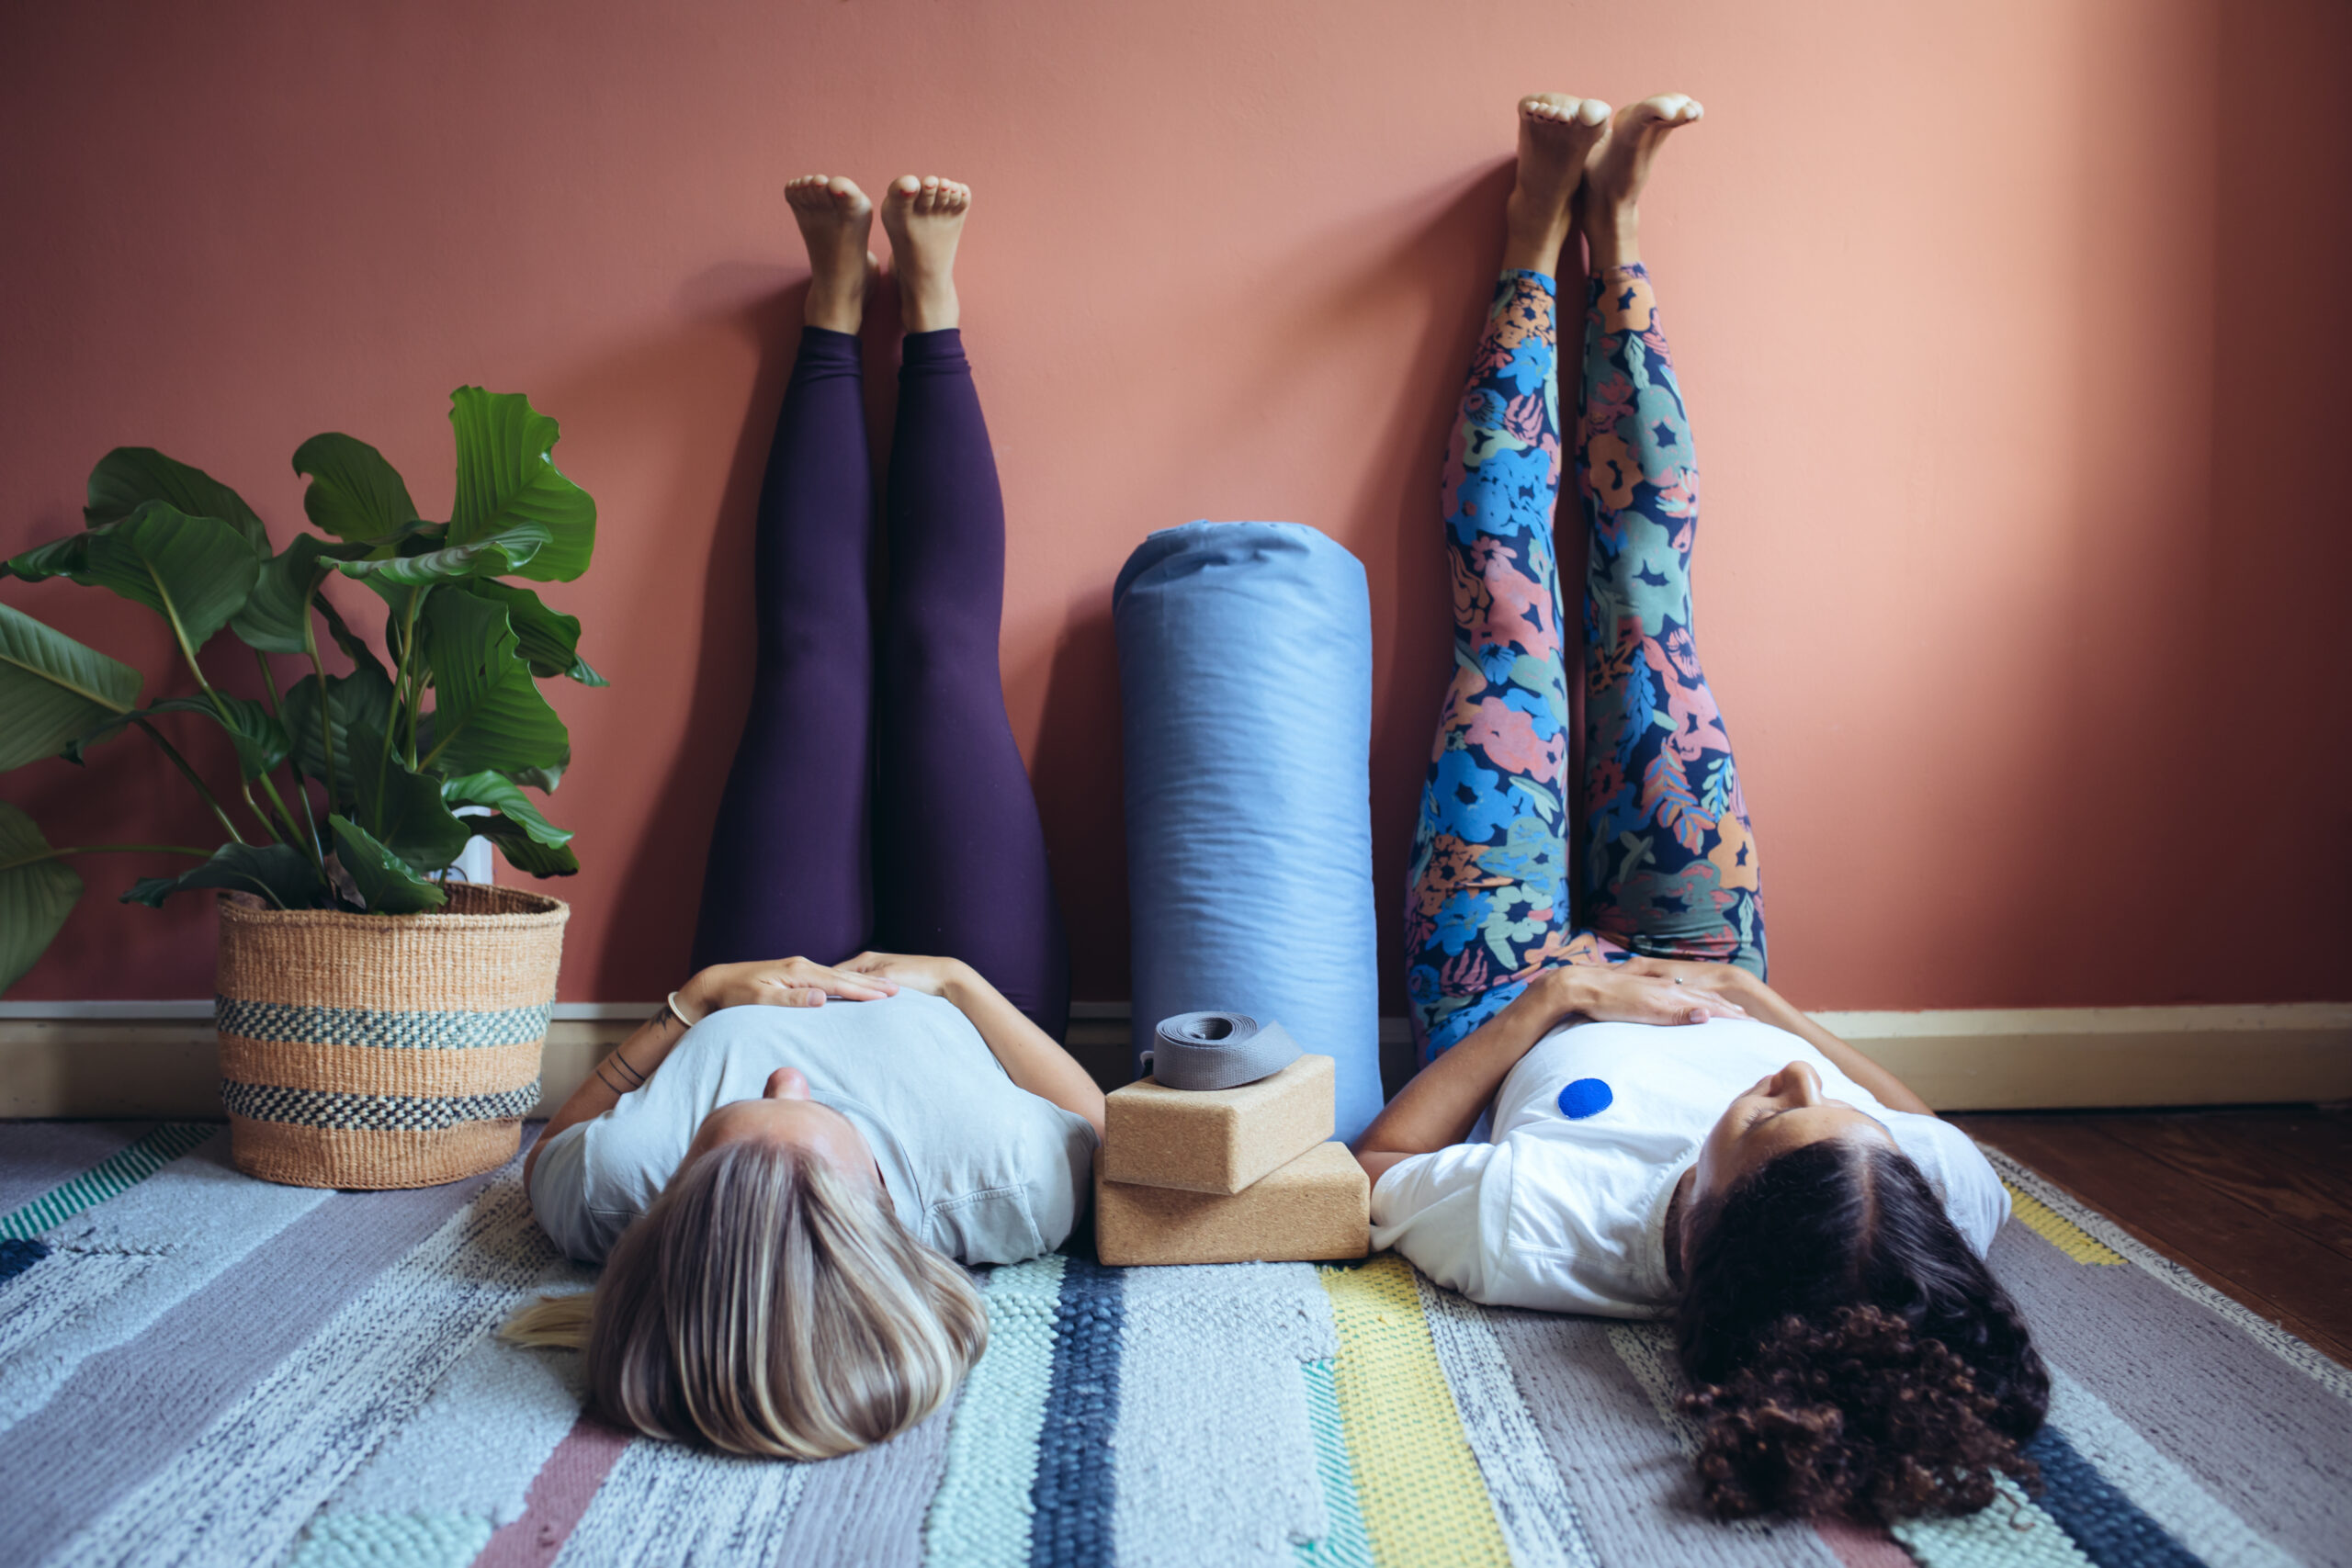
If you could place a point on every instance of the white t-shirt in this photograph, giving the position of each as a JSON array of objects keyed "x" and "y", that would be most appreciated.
[
  {"x": 1568, "y": 1214},
  {"x": 976, "y": 1166}
]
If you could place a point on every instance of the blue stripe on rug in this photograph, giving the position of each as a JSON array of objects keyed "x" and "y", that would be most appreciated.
[
  {"x": 1073, "y": 1496},
  {"x": 1344, "y": 1543},
  {"x": 979, "y": 1517},
  {"x": 2106, "y": 1524},
  {"x": 110, "y": 1178},
  {"x": 36, "y": 1155},
  {"x": 18, "y": 1254}
]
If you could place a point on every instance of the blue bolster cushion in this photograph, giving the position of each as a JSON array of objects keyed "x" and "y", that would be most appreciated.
[{"x": 1245, "y": 679}]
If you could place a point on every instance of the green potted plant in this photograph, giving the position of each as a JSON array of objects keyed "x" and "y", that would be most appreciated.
[{"x": 380, "y": 1025}]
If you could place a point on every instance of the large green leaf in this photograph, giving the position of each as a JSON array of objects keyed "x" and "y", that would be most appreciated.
[
  {"x": 37, "y": 892},
  {"x": 68, "y": 556},
  {"x": 404, "y": 812},
  {"x": 279, "y": 873},
  {"x": 354, "y": 493},
  {"x": 198, "y": 572},
  {"x": 277, "y": 616},
  {"x": 492, "y": 555},
  {"x": 550, "y": 642},
  {"x": 522, "y": 851},
  {"x": 506, "y": 479},
  {"x": 354, "y": 713},
  {"x": 385, "y": 884},
  {"x": 500, "y": 792},
  {"x": 488, "y": 714},
  {"x": 52, "y": 689},
  {"x": 129, "y": 476},
  {"x": 260, "y": 740}
]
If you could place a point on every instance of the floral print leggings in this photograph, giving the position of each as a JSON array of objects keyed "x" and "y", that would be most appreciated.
[{"x": 1669, "y": 868}]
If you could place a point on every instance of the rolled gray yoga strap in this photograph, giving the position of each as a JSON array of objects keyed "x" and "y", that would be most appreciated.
[{"x": 1217, "y": 1050}]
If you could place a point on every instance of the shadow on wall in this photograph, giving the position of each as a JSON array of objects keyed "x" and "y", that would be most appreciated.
[
  {"x": 1073, "y": 764},
  {"x": 1075, "y": 771},
  {"x": 1429, "y": 276},
  {"x": 661, "y": 888}
]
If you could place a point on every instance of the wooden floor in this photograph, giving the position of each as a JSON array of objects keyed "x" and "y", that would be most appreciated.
[{"x": 2257, "y": 1201}]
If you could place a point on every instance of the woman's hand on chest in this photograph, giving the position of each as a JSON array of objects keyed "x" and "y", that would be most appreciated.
[
  {"x": 779, "y": 982},
  {"x": 1650, "y": 990}
]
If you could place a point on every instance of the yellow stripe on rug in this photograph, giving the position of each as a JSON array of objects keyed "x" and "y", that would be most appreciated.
[
  {"x": 1424, "y": 1504},
  {"x": 2059, "y": 1231}
]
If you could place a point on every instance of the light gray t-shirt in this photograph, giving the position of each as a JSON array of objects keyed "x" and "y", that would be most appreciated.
[{"x": 976, "y": 1166}]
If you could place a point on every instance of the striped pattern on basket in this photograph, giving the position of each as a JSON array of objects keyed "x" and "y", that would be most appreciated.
[
  {"x": 373, "y": 1113},
  {"x": 415, "y": 1031}
]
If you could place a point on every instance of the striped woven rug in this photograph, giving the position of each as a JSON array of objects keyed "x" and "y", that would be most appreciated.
[{"x": 198, "y": 1367}]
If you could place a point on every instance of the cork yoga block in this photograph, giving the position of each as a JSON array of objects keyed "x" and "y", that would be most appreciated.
[
  {"x": 1216, "y": 1140},
  {"x": 1316, "y": 1207}
]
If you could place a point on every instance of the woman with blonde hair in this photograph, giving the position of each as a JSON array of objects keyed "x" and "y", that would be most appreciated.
[{"x": 783, "y": 1169}]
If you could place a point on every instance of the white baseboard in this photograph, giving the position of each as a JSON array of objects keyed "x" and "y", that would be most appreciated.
[{"x": 158, "y": 1058}]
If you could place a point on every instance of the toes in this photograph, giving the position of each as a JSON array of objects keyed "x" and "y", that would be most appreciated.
[
  {"x": 1565, "y": 109},
  {"x": 904, "y": 187},
  {"x": 1667, "y": 111}
]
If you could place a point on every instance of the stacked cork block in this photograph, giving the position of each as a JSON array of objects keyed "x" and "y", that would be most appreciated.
[{"x": 1230, "y": 1175}]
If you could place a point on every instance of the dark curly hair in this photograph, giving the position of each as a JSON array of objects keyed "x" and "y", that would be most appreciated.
[{"x": 1848, "y": 1353}]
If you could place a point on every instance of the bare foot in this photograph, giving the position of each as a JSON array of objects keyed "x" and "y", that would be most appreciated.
[
  {"x": 1610, "y": 203},
  {"x": 834, "y": 217},
  {"x": 1556, "y": 133},
  {"x": 924, "y": 218}
]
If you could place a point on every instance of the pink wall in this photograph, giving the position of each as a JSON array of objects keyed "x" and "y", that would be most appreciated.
[{"x": 2014, "y": 330}]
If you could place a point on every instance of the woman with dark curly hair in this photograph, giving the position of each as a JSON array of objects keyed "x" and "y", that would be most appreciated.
[{"x": 1616, "y": 1114}]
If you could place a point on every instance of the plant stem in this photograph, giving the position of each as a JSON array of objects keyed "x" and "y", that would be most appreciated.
[
  {"x": 188, "y": 652},
  {"x": 106, "y": 850},
  {"x": 326, "y": 709},
  {"x": 293, "y": 828},
  {"x": 416, "y": 676},
  {"x": 268, "y": 683},
  {"x": 400, "y": 687},
  {"x": 277, "y": 710},
  {"x": 190, "y": 774}
]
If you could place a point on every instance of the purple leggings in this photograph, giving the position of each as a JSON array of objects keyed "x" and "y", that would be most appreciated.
[{"x": 957, "y": 855}]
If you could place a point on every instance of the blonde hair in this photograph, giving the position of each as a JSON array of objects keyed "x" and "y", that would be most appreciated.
[{"x": 764, "y": 1305}]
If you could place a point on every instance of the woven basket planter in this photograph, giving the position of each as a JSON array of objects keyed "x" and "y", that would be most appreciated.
[{"x": 384, "y": 1050}]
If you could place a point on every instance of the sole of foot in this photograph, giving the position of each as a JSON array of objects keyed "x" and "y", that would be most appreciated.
[
  {"x": 835, "y": 219},
  {"x": 924, "y": 215},
  {"x": 1556, "y": 135},
  {"x": 1619, "y": 166}
]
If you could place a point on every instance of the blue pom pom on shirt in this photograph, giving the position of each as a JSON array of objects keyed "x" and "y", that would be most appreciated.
[{"x": 1586, "y": 1097}]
